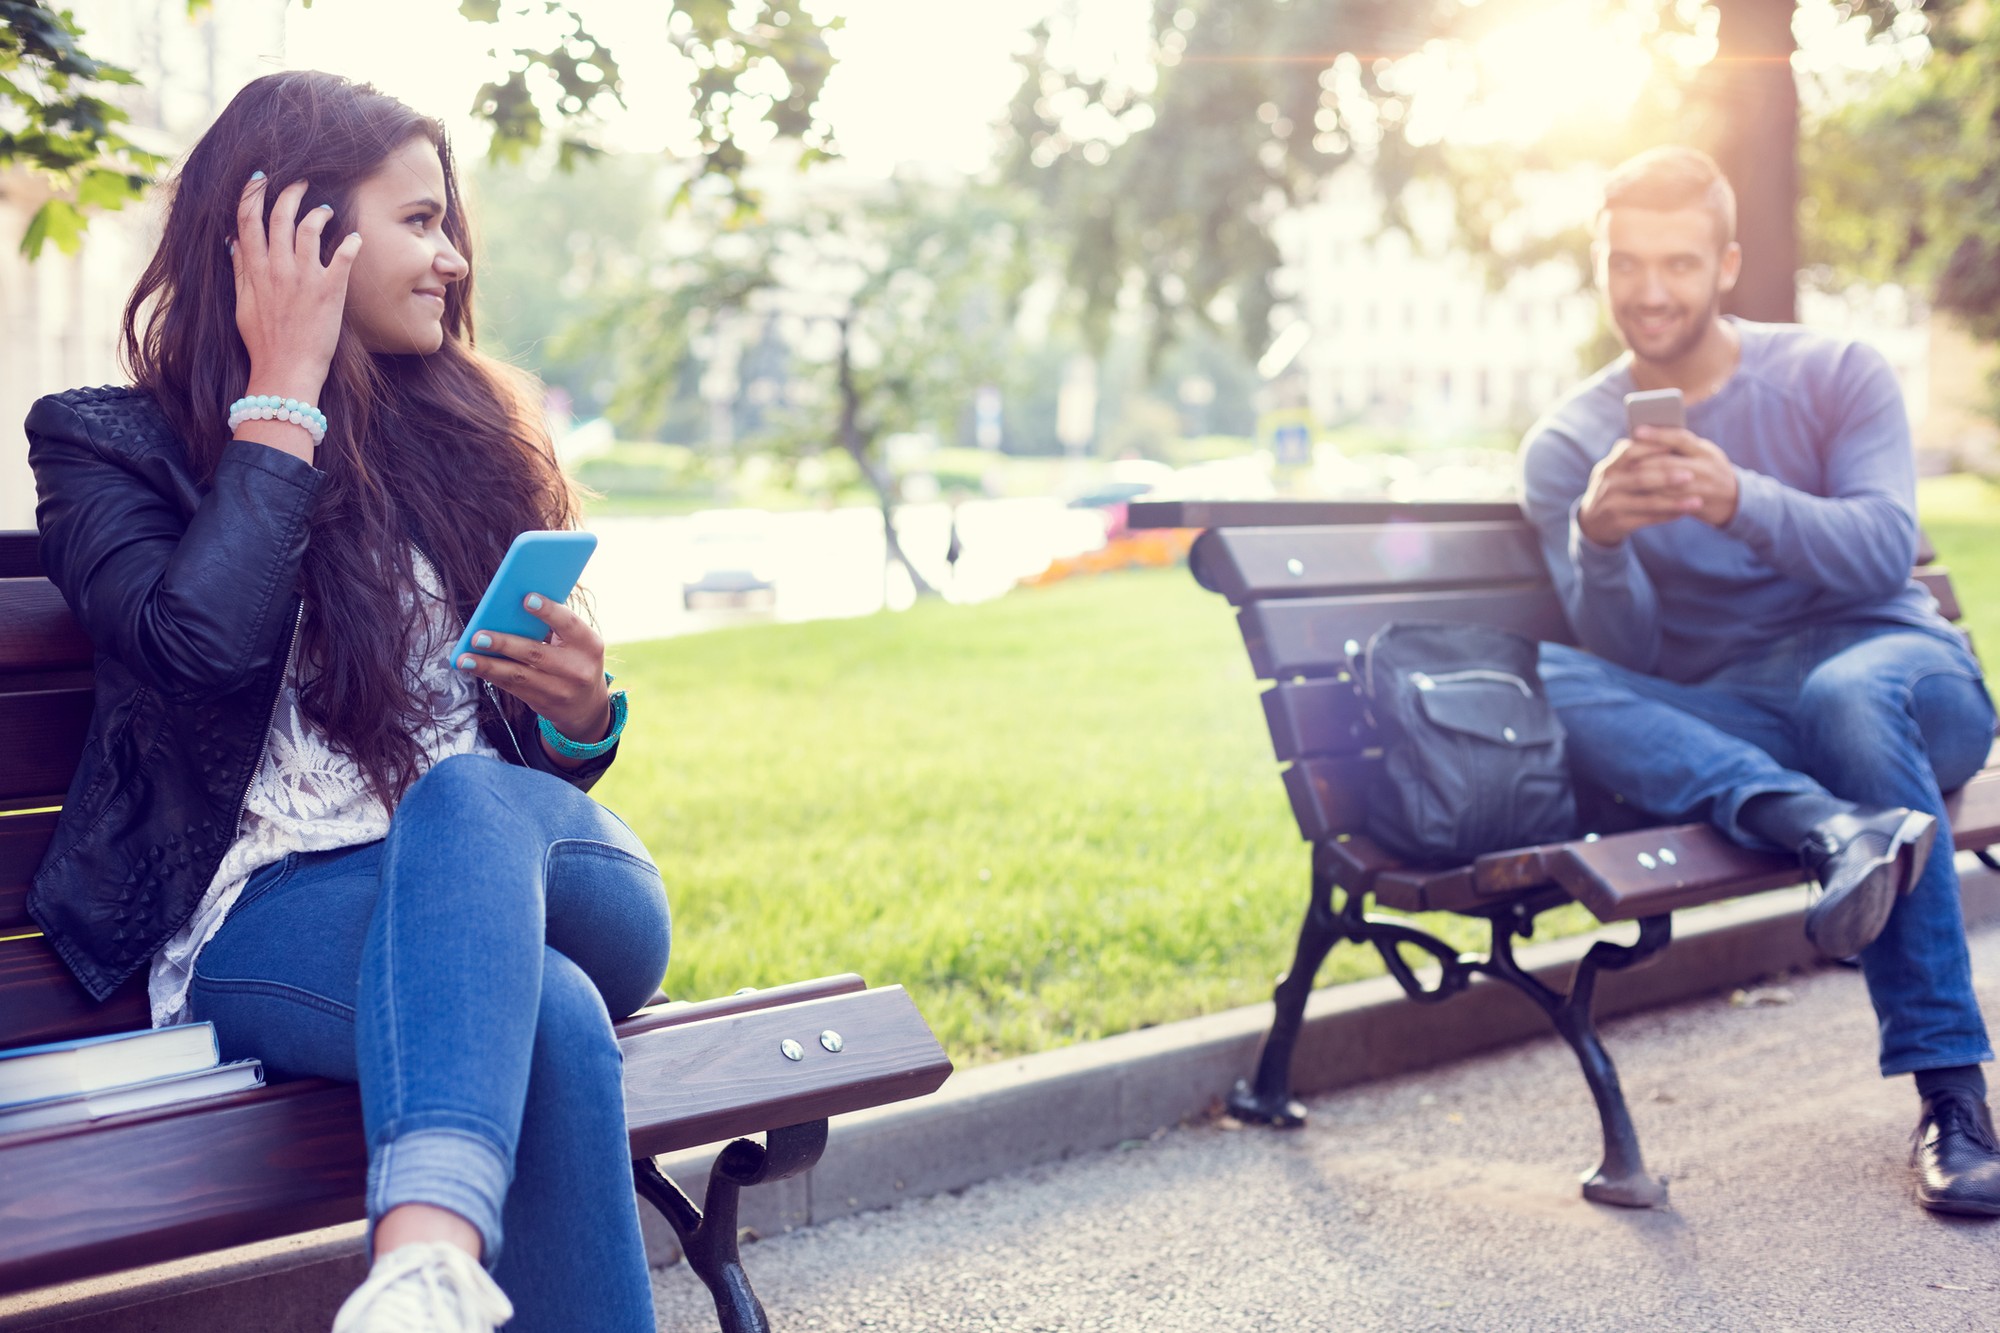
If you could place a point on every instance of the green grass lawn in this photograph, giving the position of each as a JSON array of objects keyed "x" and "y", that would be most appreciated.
[
  {"x": 1962, "y": 515},
  {"x": 1053, "y": 817}
]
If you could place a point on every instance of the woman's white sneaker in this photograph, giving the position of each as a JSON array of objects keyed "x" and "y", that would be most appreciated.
[{"x": 427, "y": 1287}]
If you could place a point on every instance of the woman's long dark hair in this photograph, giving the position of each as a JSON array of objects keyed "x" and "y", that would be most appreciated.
[{"x": 443, "y": 450}]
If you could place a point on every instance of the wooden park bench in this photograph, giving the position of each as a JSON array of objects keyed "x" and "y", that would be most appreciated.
[
  {"x": 1312, "y": 581},
  {"x": 82, "y": 1200}
]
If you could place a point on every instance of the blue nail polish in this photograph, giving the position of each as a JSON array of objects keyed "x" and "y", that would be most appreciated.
[
  {"x": 482, "y": 641},
  {"x": 256, "y": 175},
  {"x": 324, "y": 208},
  {"x": 534, "y": 601},
  {"x": 465, "y": 662}
]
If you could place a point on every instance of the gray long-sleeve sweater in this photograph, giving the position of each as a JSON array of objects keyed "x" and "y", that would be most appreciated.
[{"x": 1825, "y": 527}]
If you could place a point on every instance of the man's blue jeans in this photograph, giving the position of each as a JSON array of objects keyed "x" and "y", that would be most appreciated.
[
  {"x": 1875, "y": 713},
  {"x": 464, "y": 970}
]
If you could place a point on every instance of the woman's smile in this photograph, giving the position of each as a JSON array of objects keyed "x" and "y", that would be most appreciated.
[{"x": 400, "y": 212}]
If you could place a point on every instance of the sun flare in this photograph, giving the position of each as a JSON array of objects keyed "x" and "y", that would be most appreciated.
[{"x": 1565, "y": 62}]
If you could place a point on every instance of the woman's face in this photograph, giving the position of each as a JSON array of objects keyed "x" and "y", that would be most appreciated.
[{"x": 395, "y": 294}]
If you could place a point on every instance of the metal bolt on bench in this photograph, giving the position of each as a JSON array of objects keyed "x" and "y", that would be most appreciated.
[{"x": 1312, "y": 580}]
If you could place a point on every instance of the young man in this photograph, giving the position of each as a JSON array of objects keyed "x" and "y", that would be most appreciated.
[{"x": 1755, "y": 652}]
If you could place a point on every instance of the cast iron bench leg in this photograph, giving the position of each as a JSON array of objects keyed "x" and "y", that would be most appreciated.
[
  {"x": 1622, "y": 1179},
  {"x": 708, "y": 1236},
  {"x": 1268, "y": 1099}
]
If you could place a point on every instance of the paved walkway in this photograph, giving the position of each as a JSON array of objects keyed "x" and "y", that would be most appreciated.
[{"x": 1448, "y": 1200}]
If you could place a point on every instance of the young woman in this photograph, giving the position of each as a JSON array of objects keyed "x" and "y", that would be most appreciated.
[{"x": 358, "y": 858}]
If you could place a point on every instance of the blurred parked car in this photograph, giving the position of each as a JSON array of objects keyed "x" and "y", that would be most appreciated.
[{"x": 733, "y": 554}]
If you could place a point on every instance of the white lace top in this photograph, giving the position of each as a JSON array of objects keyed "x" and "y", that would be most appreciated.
[{"x": 309, "y": 797}]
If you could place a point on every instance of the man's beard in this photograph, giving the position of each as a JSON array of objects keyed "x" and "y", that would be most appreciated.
[{"x": 1689, "y": 340}]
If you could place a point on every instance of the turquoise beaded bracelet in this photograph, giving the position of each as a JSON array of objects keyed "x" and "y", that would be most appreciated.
[
  {"x": 269, "y": 407},
  {"x": 570, "y": 749}
]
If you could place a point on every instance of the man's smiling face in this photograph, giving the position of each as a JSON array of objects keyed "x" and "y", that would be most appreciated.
[{"x": 1663, "y": 274}]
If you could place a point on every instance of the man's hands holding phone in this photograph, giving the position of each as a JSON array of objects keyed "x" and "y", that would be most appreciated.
[
  {"x": 1660, "y": 474},
  {"x": 562, "y": 679}
]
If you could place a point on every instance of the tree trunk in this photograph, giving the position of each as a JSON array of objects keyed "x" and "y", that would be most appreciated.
[
  {"x": 856, "y": 442},
  {"x": 1753, "y": 132}
]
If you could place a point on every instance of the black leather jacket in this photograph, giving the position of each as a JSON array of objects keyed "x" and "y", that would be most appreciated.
[{"x": 189, "y": 595}]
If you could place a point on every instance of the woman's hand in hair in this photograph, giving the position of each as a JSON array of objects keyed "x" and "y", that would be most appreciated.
[
  {"x": 288, "y": 304},
  {"x": 562, "y": 679}
]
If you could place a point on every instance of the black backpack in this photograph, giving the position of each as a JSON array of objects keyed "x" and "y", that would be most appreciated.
[{"x": 1472, "y": 753}]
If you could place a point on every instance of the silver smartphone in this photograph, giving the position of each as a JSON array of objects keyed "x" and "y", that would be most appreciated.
[{"x": 1655, "y": 407}]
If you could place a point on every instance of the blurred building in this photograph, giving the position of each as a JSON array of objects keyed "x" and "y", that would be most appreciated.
[
  {"x": 60, "y": 316},
  {"x": 1409, "y": 335}
]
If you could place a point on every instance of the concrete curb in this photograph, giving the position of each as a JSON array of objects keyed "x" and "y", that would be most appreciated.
[{"x": 1020, "y": 1113}]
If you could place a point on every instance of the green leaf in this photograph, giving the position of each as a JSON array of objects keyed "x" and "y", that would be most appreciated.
[
  {"x": 56, "y": 222},
  {"x": 108, "y": 190},
  {"x": 510, "y": 108}
]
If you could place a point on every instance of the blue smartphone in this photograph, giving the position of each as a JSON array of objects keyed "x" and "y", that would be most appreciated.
[{"x": 545, "y": 562}]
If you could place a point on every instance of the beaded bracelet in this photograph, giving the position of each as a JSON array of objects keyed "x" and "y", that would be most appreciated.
[
  {"x": 570, "y": 749},
  {"x": 269, "y": 407}
]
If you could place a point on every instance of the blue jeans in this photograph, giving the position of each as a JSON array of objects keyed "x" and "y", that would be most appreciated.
[
  {"x": 1871, "y": 712},
  {"x": 464, "y": 970}
]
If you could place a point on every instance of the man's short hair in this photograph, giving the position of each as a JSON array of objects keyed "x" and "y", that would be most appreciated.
[{"x": 1671, "y": 178}]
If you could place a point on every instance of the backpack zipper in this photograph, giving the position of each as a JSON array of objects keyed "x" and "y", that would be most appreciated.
[{"x": 1426, "y": 682}]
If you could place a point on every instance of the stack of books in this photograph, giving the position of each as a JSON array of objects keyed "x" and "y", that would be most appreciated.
[{"x": 70, "y": 1081}]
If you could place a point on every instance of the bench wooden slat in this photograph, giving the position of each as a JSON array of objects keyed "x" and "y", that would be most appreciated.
[
  {"x": 1312, "y": 513},
  {"x": 37, "y": 632},
  {"x": 1326, "y": 795},
  {"x": 1500, "y": 874},
  {"x": 1630, "y": 875},
  {"x": 1308, "y": 636},
  {"x": 1316, "y": 717},
  {"x": 1411, "y": 890},
  {"x": 151, "y": 1186},
  {"x": 1354, "y": 860},
  {"x": 716, "y": 1078},
  {"x": 43, "y": 731},
  {"x": 1692, "y": 864},
  {"x": 1361, "y": 865},
  {"x": 1246, "y": 564},
  {"x": 1938, "y": 579},
  {"x": 23, "y": 839},
  {"x": 1974, "y": 811},
  {"x": 20, "y": 555},
  {"x": 40, "y": 1001},
  {"x": 675, "y": 1013}
]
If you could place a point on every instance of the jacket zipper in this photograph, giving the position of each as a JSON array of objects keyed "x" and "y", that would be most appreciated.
[
  {"x": 505, "y": 725},
  {"x": 1425, "y": 682},
  {"x": 264, "y": 747}
]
